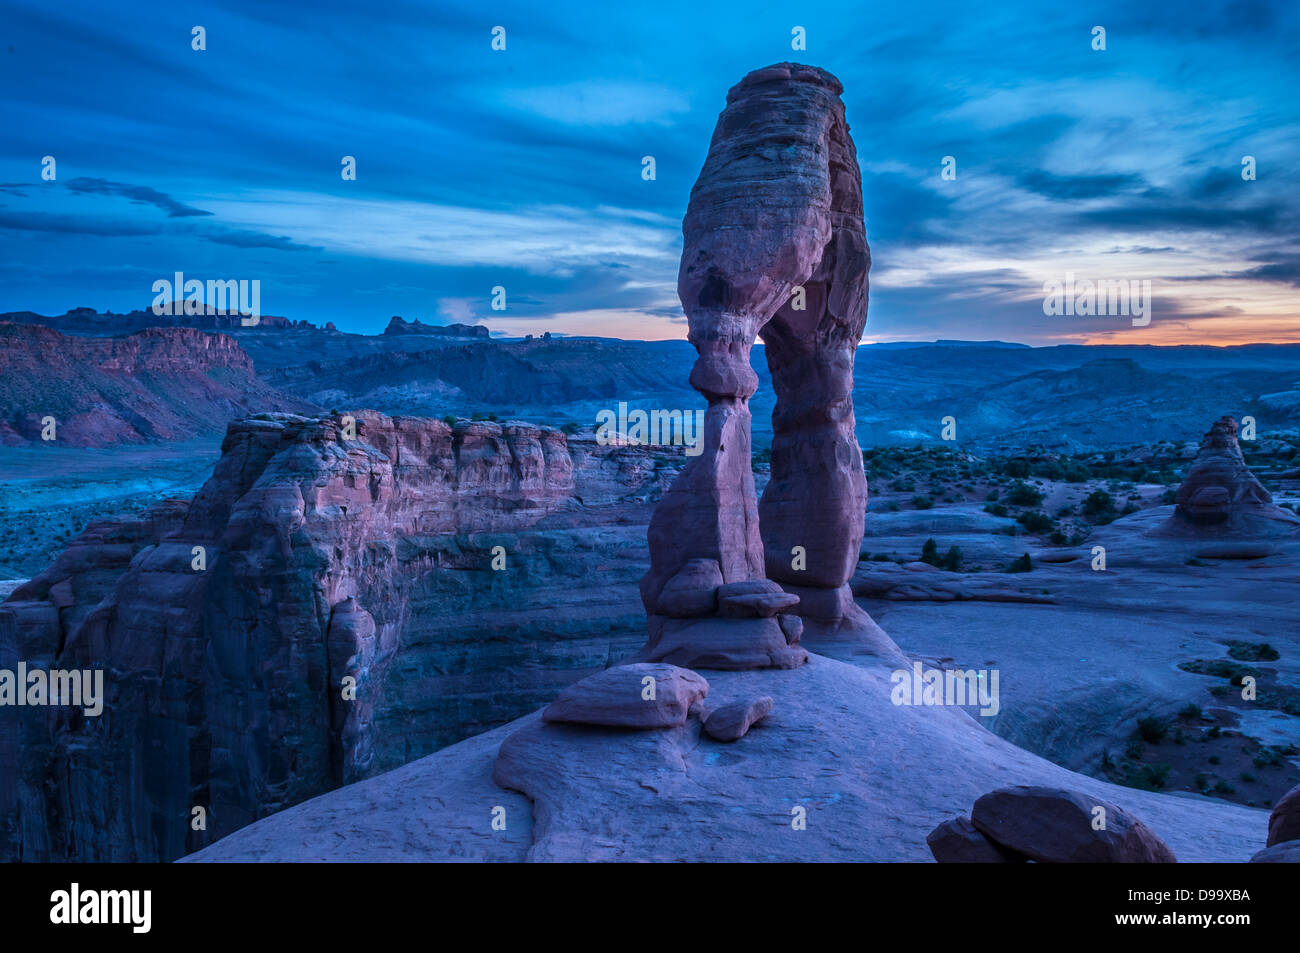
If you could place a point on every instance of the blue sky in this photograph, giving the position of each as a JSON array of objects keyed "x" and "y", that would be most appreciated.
[{"x": 522, "y": 168}]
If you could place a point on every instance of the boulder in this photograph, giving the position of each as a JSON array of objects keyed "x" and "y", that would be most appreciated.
[
  {"x": 958, "y": 842},
  {"x": 619, "y": 697},
  {"x": 1284, "y": 822},
  {"x": 730, "y": 722},
  {"x": 1052, "y": 825}
]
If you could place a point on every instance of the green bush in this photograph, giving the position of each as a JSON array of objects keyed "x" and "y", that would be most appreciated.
[
  {"x": 930, "y": 552},
  {"x": 1022, "y": 494},
  {"x": 1035, "y": 521},
  {"x": 1152, "y": 729},
  {"x": 1098, "y": 503}
]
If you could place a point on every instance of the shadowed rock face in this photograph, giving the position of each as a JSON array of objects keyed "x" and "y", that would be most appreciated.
[
  {"x": 326, "y": 558},
  {"x": 774, "y": 244}
]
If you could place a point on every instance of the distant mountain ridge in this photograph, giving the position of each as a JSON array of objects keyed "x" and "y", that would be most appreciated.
[
  {"x": 1002, "y": 395},
  {"x": 155, "y": 384}
]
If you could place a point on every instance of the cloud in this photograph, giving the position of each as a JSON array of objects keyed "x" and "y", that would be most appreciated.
[
  {"x": 138, "y": 194},
  {"x": 72, "y": 224}
]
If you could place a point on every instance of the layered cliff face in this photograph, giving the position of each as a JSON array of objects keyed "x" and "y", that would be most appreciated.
[
  {"x": 324, "y": 609},
  {"x": 156, "y": 384}
]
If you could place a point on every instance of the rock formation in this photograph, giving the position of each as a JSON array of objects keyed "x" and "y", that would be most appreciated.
[
  {"x": 774, "y": 244},
  {"x": 1220, "y": 494},
  {"x": 325, "y": 558}
]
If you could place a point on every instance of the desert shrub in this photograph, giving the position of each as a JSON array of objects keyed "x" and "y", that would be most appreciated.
[
  {"x": 1075, "y": 473},
  {"x": 930, "y": 552},
  {"x": 880, "y": 558},
  {"x": 952, "y": 559},
  {"x": 1152, "y": 729},
  {"x": 1023, "y": 564},
  {"x": 571, "y": 427},
  {"x": 1022, "y": 494},
  {"x": 997, "y": 509},
  {"x": 1156, "y": 776},
  {"x": 1098, "y": 503},
  {"x": 1035, "y": 521},
  {"x": 1190, "y": 712},
  {"x": 922, "y": 502}
]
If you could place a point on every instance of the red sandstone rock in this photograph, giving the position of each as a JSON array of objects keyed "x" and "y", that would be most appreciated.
[
  {"x": 732, "y": 722},
  {"x": 621, "y": 697},
  {"x": 1219, "y": 481},
  {"x": 1284, "y": 822},
  {"x": 958, "y": 842},
  {"x": 776, "y": 210},
  {"x": 1051, "y": 825}
]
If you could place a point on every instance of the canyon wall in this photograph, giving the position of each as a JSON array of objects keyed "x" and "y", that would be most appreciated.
[{"x": 327, "y": 563}]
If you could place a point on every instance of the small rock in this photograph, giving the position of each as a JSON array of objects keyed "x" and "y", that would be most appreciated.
[
  {"x": 616, "y": 697},
  {"x": 958, "y": 842},
  {"x": 792, "y": 626},
  {"x": 1052, "y": 825},
  {"x": 730, "y": 722}
]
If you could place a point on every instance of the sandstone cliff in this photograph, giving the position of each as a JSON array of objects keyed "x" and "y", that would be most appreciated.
[{"x": 325, "y": 559}]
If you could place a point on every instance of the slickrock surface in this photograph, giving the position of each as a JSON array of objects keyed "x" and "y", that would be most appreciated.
[
  {"x": 620, "y": 697},
  {"x": 156, "y": 384},
  {"x": 326, "y": 558},
  {"x": 874, "y": 779},
  {"x": 1053, "y": 825}
]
